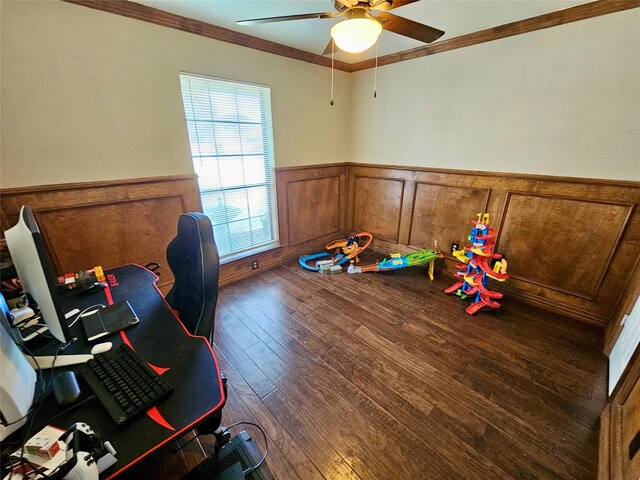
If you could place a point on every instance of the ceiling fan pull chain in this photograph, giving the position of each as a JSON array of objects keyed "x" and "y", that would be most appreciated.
[
  {"x": 333, "y": 53},
  {"x": 375, "y": 72}
]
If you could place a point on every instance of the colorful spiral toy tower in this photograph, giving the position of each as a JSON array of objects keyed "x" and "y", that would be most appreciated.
[{"x": 475, "y": 267}]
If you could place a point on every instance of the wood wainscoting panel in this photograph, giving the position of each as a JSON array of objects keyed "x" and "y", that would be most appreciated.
[
  {"x": 108, "y": 229},
  {"x": 572, "y": 243},
  {"x": 619, "y": 450},
  {"x": 565, "y": 244},
  {"x": 630, "y": 424},
  {"x": 377, "y": 206},
  {"x": 132, "y": 221},
  {"x": 311, "y": 213},
  {"x": 107, "y": 223},
  {"x": 604, "y": 444},
  {"x": 441, "y": 213},
  {"x": 313, "y": 208}
]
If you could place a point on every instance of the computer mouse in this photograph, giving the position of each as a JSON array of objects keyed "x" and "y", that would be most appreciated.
[
  {"x": 95, "y": 287},
  {"x": 66, "y": 388},
  {"x": 101, "y": 348}
]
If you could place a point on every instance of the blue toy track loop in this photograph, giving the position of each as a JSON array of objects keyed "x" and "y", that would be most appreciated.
[{"x": 338, "y": 260}]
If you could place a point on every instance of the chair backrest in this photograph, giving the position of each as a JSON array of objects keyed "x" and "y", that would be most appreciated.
[{"x": 194, "y": 261}]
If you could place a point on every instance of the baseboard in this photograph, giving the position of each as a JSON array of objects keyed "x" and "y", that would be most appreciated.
[
  {"x": 266, "y": 263},
  {"x": 385, "y": 249}
]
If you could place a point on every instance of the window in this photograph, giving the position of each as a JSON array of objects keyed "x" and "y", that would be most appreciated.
[{"x": 231, "y": 137}]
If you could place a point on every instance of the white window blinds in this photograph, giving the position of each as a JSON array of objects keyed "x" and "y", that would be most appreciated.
[{"x": 231, "y": 136}]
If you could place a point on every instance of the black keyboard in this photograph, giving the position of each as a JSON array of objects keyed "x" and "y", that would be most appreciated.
[{"x": 124, "y": 383}]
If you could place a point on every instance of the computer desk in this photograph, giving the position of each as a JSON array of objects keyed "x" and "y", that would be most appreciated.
[{"x": 185, "y": 361}]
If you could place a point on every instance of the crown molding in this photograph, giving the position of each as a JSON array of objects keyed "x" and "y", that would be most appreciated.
[
  {"x": 159, "y": 17},
  {"x": 178, "y": 22},
  {"x": 540, "y": 22}
]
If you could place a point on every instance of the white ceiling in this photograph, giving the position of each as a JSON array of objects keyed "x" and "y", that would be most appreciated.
[{"x": 455, "y": 17}]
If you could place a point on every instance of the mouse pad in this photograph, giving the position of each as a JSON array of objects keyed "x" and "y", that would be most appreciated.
[{"x": 108, "y": 320}]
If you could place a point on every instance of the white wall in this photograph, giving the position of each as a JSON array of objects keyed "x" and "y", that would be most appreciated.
[
  {"x": 561, "y": 101},
  {"x": 87, "y": 95}
]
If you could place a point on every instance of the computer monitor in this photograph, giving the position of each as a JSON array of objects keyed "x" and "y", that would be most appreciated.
[{"x": 33, "y": 264}]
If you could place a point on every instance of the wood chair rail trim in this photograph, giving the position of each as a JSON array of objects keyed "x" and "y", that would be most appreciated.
[
  {"x": 312, "y": 213},
  {"x": 486, "y": 173},
  {"x": 96, "y": 184}
]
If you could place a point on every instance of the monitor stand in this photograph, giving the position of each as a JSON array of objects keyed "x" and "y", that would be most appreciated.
[
  {"x": 49, "y": 361},
  {"x": 45, "y": 362}
]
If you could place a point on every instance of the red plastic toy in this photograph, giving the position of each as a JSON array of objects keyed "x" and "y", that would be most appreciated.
[{"x": 476, "y": 262}]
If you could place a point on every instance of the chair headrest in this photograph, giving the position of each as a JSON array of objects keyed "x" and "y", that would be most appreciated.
[{"x": 194, "y": 224}]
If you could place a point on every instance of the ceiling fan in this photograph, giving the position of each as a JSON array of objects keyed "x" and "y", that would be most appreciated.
[{"x": 364, "y": 21}]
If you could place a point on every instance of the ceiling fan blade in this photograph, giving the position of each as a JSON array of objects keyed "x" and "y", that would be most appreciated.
[
  {"x": 347, "y": 3},
  {"x": 408, "y": 28},
  {"x": 302, "y": 16},
  {"x": 328, "y": 48},
  {"x": 389, "y": 4}
]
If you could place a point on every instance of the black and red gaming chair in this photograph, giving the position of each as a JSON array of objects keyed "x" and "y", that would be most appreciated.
[{"x": 194, "y": 261}]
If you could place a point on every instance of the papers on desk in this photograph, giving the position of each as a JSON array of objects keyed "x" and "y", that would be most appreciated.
[{"x": 42, "y": 463}]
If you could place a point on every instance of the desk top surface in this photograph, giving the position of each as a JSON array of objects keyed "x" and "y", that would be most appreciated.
[{"x": 185, "y": 361}]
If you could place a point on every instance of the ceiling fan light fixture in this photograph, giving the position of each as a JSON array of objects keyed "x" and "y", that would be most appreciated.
[{"x": 356, "y": 35}]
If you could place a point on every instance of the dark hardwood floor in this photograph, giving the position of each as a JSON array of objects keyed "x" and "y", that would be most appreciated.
[{"x": 383, "y": 376}]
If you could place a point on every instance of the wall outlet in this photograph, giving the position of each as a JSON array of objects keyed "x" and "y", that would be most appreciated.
[
  {"x": 255, "y": 265},
  {"x": 454, "y": 247}
]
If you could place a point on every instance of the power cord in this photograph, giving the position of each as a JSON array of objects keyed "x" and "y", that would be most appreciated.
[
  {"x": 38, "y": 400},
  {"x": 97, "y": 305},
  {"x": 27, "y": 320},
  {"x": 29, "y": 330},
  {"x": 33, "y": 410},
  {"x": 35, "y": 332}
]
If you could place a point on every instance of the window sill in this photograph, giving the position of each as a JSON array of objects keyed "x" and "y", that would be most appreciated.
[{"x": 248, "y": 253}]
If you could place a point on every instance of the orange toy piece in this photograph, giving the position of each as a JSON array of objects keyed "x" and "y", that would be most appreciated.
[
  {"x": 350, "y": 247},
  {"x": 346, "y": 249}
]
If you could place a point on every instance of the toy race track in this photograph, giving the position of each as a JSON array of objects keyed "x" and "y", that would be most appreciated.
[
  {"x": 397, "y": 261},
  {"x": 345, "y": 249}
]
